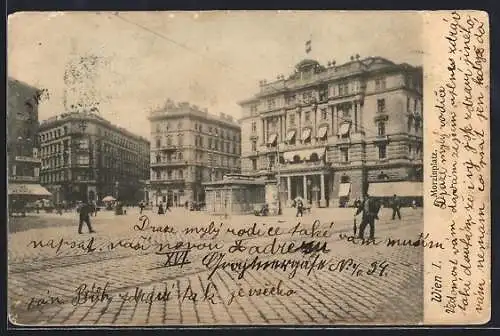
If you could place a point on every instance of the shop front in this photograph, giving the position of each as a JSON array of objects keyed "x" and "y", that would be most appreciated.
[{"x": 20, "y": 194}]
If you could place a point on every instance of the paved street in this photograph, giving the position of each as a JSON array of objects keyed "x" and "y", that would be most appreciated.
[{"x": 391, "y": 293}]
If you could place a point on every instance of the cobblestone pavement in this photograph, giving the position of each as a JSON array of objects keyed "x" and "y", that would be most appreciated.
[{"x": 191, "y": 295}]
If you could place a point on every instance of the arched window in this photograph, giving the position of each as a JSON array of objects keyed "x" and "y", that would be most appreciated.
[
  {"x": 296, "y": 159},
  {"x": 314, "y": 157}
]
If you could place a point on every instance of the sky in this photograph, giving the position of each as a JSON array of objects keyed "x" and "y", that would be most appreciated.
[{"x": 210, "y": 59}]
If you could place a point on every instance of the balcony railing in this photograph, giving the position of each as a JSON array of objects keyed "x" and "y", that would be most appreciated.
[
  {"x": 169, "y": 163},
  {"x": 302, "y": 165},
  {"x": 381, "y": 138},
  {"x": 169, "y": 180}
]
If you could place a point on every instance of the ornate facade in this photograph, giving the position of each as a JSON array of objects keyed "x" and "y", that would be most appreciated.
[
  {"x": 189, "y": 147},
  {"x": 85, "y": 157},
  {"x": 332, "y": 132}
]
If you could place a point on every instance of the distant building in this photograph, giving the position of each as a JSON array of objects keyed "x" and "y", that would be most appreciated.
[
  {"x": 85, "y": 157},
  {"x": 189, "y": 147},
  {"x": 23, "y": 163},
  {"x": 337, "y": 131}
]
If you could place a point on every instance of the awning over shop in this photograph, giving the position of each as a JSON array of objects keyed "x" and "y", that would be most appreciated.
[
  {"x": 403, "y": 189},
  {"x": 345, "y": 128},
  {"x": 306, "y": 134},
  {"x": 304, "y": 154},
  {"x": 322, "y": 132},
  {"x": 33, "y": 190},
  {"x": 344, "y": 189},
  {"x": 290, "y": 135},
  {"x": 272, "y": 139}
]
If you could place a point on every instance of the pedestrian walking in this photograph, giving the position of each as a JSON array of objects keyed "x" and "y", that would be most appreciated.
[
  {"x": 141, "y": 207},
  {"x": 84, "y": 212},
  {"x": 370, "y": 208},
  {"x": 300, "y": 208},
  {"x": 160, "y": 209},
  {"x": 94, "y": 208},
  {"x": 396, "y": 206}
]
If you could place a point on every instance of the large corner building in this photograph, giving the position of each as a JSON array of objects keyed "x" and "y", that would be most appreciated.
[
  {"x": 333, "y": 132},
  {"x": 86, "y": 157},
  {"x": 190, "y": 147},
  {"x": 23, "y": 162}
]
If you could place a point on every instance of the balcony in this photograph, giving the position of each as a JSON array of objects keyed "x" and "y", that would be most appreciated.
[
  {"x": 308, "y": 165},
  {"x": 166, "y": 148},
  {"x": 28, "y": 159},
  {"x": 169, "y": 163}
]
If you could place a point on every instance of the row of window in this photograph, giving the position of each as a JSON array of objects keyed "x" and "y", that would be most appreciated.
[
  {"x": 414, "y": 151},
  {"x": 83, "y": 125},
  {"x": 346, "y": 113},
  {"x": 413, "y": 124},
  {"x": 53, "y": 134},
  {"x": 169, "y": 174},
  {"x": 122, "y": 141},
  {"x": 23, "y": 170},
  {"x": 212, "y": 130},
  {"x": 341, "y": 89},
  {"x": 169, "y": 157}
]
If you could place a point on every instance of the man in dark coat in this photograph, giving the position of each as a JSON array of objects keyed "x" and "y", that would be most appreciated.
[
  {"x": 85, "y": 211},
  {"x": 370, "y": 208},
  {"x": 396, "y": 205},
  {"x": 300, "y": 208}
]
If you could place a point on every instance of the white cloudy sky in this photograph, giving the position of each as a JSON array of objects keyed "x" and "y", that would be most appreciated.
[{"x": 228, "y": 53}]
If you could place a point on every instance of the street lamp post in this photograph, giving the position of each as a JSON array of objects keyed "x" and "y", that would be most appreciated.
[
  {"x": 117, "y": 184},
  {"x": 308, "y": 194}
]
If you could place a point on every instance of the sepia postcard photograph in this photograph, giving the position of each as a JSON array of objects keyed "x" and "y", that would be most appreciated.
[{"x": 232, "y": 168}]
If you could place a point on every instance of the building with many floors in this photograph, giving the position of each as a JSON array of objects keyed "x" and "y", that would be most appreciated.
[
  {"x": 86, "y": 157},
  {"x": 23, "y": 163},
  {"x": 189, "y": 147},
  {"x": 333, "y": 132}
]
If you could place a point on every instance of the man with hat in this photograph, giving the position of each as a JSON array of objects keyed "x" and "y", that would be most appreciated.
[{"x": 370, "y": 208}]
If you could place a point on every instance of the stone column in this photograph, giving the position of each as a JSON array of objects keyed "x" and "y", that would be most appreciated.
[
  {"x": 337, "y": 121},
  {"x": 281, "y": 130},
  {"x": 305, "y": 188},
  {"x": 263, "y": 131},
  {"x": 356, "y": 116},
  {"x": 360, "y": 118},
  {"x": 322, "y": 198},
  {"x": 289, "y": 188},
  {"x": 332, "y": 130}
]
